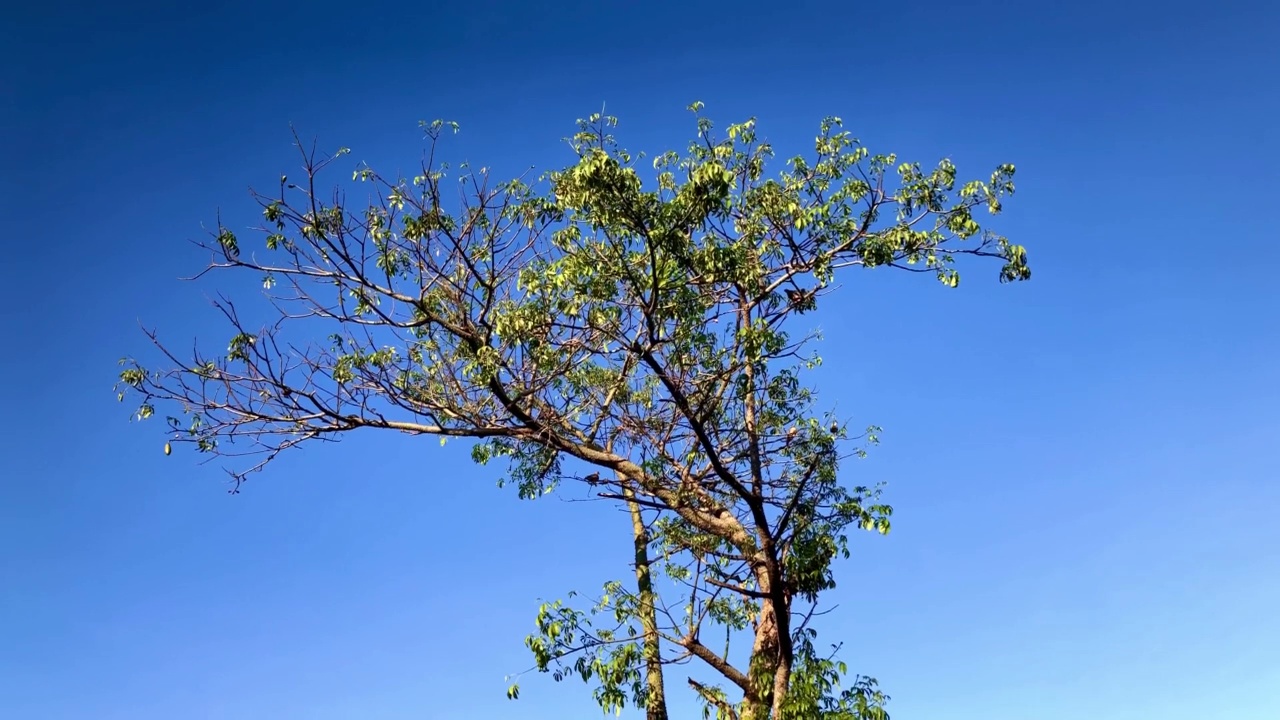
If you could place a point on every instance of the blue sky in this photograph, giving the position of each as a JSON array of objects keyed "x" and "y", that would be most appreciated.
[{"x": 1085, "y": 499}]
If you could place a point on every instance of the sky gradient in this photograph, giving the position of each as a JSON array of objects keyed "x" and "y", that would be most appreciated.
[{"x": 1085, "y": 503}]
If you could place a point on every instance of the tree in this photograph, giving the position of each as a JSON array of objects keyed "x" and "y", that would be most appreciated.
[{"x": 645, "y": 333}]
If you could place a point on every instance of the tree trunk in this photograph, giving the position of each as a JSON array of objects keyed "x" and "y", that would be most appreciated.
[
  {"x": 771, "y": 656},
  {"x": 656, "y": 705},
  {"x": 763, "y": 664}
]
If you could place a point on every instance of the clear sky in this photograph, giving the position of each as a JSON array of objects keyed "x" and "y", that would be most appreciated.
[{"x": 1085, "y": 496}]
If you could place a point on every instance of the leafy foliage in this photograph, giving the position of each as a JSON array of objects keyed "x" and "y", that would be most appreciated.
[{"x": 644, "y": 328}]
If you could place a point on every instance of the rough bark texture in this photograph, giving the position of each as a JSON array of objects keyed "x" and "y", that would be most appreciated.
[{"x": 656, "y": 702}]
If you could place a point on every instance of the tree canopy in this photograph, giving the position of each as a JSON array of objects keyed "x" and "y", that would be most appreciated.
[{"x": 636, "y": 331}]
